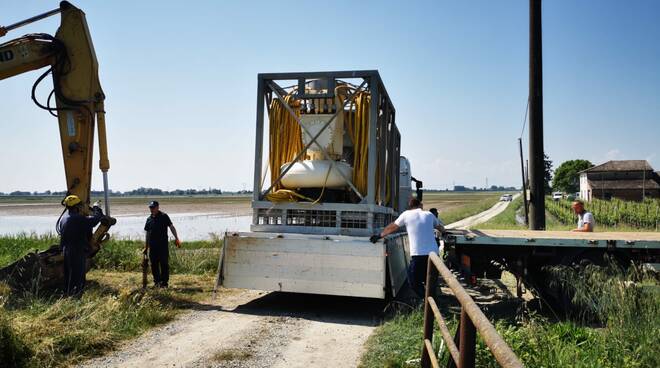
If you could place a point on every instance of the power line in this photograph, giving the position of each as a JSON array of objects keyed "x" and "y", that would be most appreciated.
[{"x": 524, "y": 119}]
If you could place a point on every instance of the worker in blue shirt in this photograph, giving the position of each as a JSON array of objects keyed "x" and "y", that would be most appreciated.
[{"x": 75, "y": 235}]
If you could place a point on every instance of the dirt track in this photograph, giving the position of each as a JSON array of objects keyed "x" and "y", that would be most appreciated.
[
  {"x": 481, "y": 217},
  {"x": 256, "y": 329}
]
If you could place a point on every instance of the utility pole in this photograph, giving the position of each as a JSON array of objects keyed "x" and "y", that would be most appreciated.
[{"x": 536, "y": 154}]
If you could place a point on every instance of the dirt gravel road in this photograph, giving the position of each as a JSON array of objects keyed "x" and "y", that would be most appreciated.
[
  {"x": 481, "y": 217},
  {"x": 256, "y": 329}
]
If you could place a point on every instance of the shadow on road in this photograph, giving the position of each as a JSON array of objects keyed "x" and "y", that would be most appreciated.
[{"x": 324, "y": 308}]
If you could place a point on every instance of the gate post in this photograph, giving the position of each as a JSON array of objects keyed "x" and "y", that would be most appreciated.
[
  {"x": 431, "y": 286},
  {"x": 468, "y": 340}
]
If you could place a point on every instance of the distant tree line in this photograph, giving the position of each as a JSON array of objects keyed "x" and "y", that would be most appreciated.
[
  {"x": 135, "y": 192},
  {"x": 462, "y": 188},
  {"x": 492, "y": 188}
]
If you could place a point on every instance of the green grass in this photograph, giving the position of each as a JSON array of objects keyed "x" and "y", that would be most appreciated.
[
  {"x": 195, "y": 257},
  {"x": 454, "y": 206},
  {"x": 506, "y": 219},
  {"x": 15, "y": 247},
  {"x": 46, "y": 330},
  {"x": 626, "y": 304},
  {"x": 395, "y": 342}
]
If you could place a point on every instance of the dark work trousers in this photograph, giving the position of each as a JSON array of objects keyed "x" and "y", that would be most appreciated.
[
  {"x": 74, "y": 271},
  {"x": 417, "y": 274},
  {"x": 160, "y": 267}
]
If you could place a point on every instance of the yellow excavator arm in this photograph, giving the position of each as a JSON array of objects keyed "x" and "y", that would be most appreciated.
[{"x": 77, "y": 93}]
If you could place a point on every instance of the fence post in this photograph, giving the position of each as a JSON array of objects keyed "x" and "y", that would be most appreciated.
[
  {"x": 468, "y": 341},
  {"x": 431, "y": 285}
]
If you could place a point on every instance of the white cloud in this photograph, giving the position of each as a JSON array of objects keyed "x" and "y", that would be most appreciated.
[{"x": 613, "y": 154}]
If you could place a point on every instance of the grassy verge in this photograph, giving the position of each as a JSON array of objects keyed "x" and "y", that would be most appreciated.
[
  {"x": 457, "y": 206},
  {"x": 627, "y": 306},
  {"x": 46, "y": 330},
  {"x": 506, "y": 219},
  {"x": 196, "y": 257}
]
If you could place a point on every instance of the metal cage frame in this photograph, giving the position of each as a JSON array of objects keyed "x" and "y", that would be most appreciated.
[{"x": 316, "y": 218}]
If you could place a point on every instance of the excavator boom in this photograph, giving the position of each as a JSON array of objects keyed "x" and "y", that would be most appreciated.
[{"x": 79, "y": 108}]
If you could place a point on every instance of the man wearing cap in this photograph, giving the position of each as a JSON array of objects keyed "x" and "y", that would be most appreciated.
[
  {"x": 156, "y": 243},
  {"x": 76, "y": 232}
]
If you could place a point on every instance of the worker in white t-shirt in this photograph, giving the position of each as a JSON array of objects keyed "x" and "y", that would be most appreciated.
[
  {"x": 420, "y": 225},
  {"x": 586, "y": 220}
]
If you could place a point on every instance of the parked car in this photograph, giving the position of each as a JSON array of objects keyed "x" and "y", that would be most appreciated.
[
  {"x": 556, "y": 196},
  {"x": 506, "y": 198}
]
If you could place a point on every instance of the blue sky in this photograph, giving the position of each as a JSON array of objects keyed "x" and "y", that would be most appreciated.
[{"x": 180, "y": 80}]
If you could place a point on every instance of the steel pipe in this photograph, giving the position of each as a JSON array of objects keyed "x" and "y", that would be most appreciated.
[{"x": 501, "y": 351}]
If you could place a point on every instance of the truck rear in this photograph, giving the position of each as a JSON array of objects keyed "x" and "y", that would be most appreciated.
[{"x": 332, "y": 179}]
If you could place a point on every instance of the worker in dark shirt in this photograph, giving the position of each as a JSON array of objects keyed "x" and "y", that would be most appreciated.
[
  {"x": 156, "y": 244},
  {"x": 76, "y": 233}
]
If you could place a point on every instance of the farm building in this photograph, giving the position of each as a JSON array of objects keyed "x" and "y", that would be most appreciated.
[{"x": 624, "y": 179}]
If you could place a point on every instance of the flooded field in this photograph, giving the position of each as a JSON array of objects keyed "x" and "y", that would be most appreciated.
[
  {"x": 190, "y": 226},
  {"x": 194, "y": 218}
]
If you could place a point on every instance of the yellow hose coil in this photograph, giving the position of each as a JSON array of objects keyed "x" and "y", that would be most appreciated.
[{"x": 286, "y": 141}]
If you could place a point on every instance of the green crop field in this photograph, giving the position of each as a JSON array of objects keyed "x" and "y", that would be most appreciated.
[{"x": 614, "y": 213}]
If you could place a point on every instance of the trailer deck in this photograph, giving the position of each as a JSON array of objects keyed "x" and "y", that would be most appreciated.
[
  {"x": 534, "y": 238},
  {"x": 528, "y": 253}
]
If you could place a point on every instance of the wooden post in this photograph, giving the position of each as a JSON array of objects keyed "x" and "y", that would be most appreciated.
[
  {"x": 431, "y": 286},
  {"x": 467, "y": 341}
]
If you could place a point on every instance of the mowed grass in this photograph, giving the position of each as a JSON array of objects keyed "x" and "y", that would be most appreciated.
[
  {"x": 46, "y": 330},
  {"x": 454, "y": 206}
]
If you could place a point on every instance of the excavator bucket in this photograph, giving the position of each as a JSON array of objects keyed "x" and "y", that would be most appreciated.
[
  {"x": 45, "y": 269},
  {"x": 36, "y": 270}
]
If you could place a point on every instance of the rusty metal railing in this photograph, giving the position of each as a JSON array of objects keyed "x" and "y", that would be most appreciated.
[{"x": 472, "y": 320}]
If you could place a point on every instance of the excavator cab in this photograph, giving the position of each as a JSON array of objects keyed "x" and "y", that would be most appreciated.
[{"x": 77, "y": 101}]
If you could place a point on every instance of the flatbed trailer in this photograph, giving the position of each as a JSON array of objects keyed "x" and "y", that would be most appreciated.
[{"x": 526, "y": 253}]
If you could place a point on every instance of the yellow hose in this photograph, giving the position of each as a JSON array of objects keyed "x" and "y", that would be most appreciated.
[{"x": 286, "y": 141}]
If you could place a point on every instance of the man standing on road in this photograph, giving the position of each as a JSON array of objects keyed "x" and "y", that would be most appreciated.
[
  {"x": 76, "y": 232},
  {"x": 420, "y": 225},
  {"x": 156, "y": 243},
  {"x": 586, "y": 220}
]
